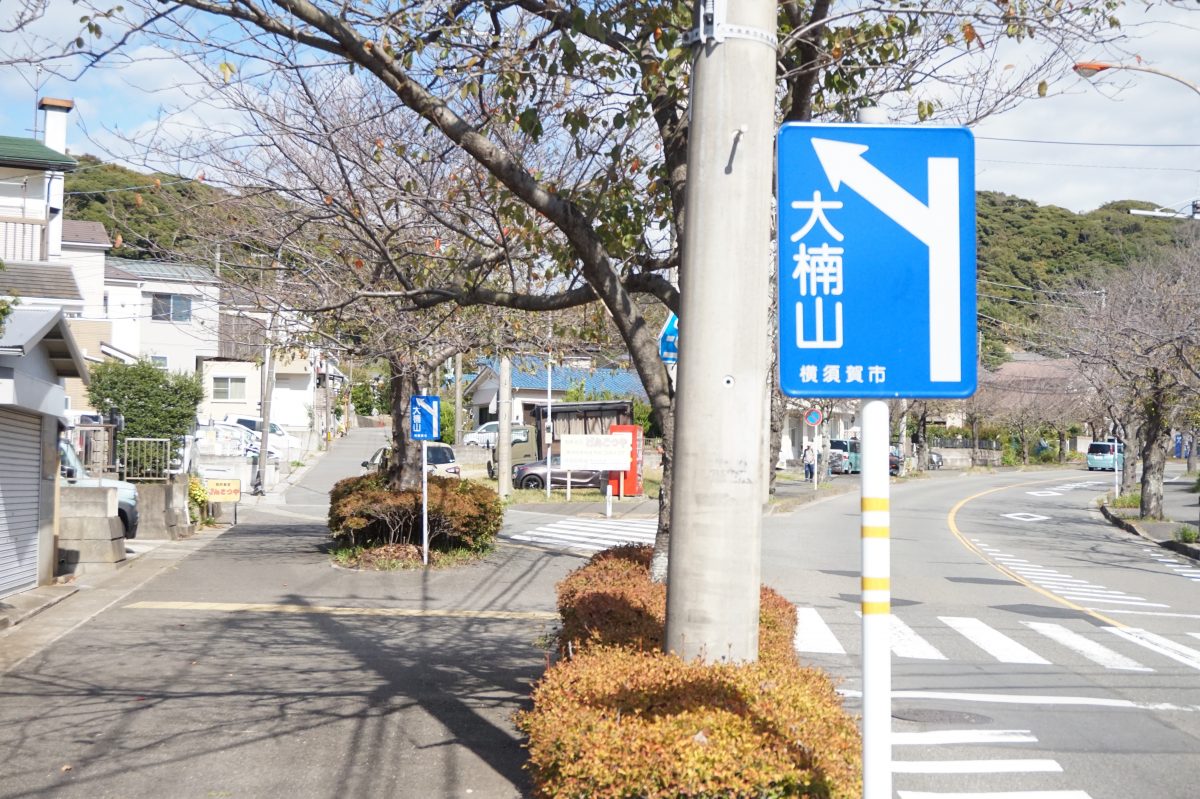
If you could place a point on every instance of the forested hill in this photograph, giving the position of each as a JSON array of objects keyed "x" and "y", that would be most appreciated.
[
  {"x": 1028, "y": 251},
  {"x": 152, "y": 214}
]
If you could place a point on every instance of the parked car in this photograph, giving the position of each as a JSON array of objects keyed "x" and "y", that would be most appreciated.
[
  {"x": 845, "y": 456},
  {"x": 482, "y": 436},
  {"x": 439, "y": 461},
  {"x": 72, "y": 472},
  {"x": 278, "y": 435},
  {"x": 524, "y": 450},
  {"x": 533, "y": 475},
  {"x": 1100, "y": 456},
  {"x": 227, "y": 434}
]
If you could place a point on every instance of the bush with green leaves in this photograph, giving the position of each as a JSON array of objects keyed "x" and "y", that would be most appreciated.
[
  {"x": 155, "y": 404},
  {"x": 364, "y": 512}
]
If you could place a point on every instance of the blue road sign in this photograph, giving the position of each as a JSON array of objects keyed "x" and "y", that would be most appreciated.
[
  {"x": 813, "y": 416},
  {"x": 425, "y": 418},
  {"x": 668, "y": 340},
  {"x": 876, "y": 261}
]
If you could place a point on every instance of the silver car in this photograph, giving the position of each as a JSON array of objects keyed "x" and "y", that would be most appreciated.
[{"x": 533, "y": 475}]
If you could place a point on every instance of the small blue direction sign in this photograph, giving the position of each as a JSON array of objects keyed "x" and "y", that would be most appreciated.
[
  {"x": 876, "y": 261},
  {"x": 668, "y": 340},
  {"x": 425, "y": 418}
]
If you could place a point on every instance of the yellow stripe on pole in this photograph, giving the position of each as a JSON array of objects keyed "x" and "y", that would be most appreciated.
[
  {"x": 876, "y": 608},
  {"x": 876, "y": 584},
  {"x": 875, "y": 503},
  {"x": 876, "y": 532}
]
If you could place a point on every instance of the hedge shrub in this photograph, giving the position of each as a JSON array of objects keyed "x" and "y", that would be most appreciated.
[
  {"x": 462, "y": 514},
  {"x": 619, "y": 719},
  {"x": 611, "y": 601},
  {"x": 617, "y": 723}
]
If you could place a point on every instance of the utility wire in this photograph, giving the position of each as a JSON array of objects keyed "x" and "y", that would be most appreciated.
[{"x": 1082, "y": 143}]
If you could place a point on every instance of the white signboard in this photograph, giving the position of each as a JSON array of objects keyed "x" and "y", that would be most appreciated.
[{"x": 612, "y": 452}]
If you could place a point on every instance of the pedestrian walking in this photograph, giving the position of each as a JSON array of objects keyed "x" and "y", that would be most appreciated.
[{"x": 810, "y": 463}]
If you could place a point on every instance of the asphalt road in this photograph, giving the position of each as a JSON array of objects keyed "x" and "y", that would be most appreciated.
[
  {"x": 1039, "y": 653},
  {"x": 1037, "y": 650}
]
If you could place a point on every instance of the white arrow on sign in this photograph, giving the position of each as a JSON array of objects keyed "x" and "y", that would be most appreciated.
[{"x": 935, "y": 225}]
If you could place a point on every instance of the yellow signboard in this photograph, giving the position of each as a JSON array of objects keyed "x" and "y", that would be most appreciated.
[{"x": 224, "y": 490}]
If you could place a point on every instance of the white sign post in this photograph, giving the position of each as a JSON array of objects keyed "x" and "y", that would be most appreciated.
[
  {"x": 612, "y": 452},
  {"x": 872, "y": 217},
  {"x": 424, "y": 426}
]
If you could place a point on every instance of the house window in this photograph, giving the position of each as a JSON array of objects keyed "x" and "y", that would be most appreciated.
[
  {"x": 171, "y": 308},
  {"x": 229, "y": 388},
  {"x": 159, "y": 361}
]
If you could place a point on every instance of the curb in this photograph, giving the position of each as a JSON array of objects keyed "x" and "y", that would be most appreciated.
[
  {"x": 1187, "y": 550},
  {"x": 27, "y": 604}
]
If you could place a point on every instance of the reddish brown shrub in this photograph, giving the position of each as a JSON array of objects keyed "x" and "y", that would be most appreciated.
[
  {"x": 614, "y": 722},
  {"x": 462, "y": 514}
]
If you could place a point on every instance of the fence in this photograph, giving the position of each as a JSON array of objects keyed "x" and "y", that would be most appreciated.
[
  {"x": 94, "y": 443},
  {"x": 147, "y": 459},
  {"x": 965, "y": 443}
]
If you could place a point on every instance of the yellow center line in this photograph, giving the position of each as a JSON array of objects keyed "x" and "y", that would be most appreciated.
[
  {"x": 951, "y": 521},
  {"x": 325, "y": 610}
]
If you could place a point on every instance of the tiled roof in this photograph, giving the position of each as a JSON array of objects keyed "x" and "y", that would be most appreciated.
[
  {"x": 32, "y": 154},
  {"x": 28, "y": 328},
  {"x": 79, "y": 231},
  {"x": 163, "y": 270},
  {"x": 530, "y": 373},
  {"x": 45, "y": 279}
]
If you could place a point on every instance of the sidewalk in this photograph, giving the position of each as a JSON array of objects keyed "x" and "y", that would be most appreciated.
[
  {"x": 19, "y": 607},
  {"x": 1180, "y": 506}
]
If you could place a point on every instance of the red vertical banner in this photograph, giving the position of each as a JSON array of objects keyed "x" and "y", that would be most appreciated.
[{"x": 633, "y": 477}]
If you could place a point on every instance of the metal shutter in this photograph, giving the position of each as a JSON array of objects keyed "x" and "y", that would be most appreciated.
[{"x": 20, "y": 473}]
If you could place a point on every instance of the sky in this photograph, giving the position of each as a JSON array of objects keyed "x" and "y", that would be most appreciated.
[{"x": 1126, "y": 135}]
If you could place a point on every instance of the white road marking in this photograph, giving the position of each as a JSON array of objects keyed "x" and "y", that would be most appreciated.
[
  {"x": 1097, "y": 653},
  {"x": 1064, "y": 580},
  {"x": 814, "y": 635},
  {"x": 943, "y": 737},
  {"x": 1114, "y": 601},
  {"x": 992, "y": 641},
  {"x": 974, "y": 766},
  {"x": 1157, "y": 643},
  {"x": 590, "y": 535},
  {"x": 1033, "y": 699},
  {"x": 993, "y": 794},
  {"x": 1025, "y": 517}
]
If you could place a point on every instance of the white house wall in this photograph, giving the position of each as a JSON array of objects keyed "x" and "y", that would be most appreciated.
[
  {"x": 292, "y": 400},
  {"x": 181, "y": 343},
  {"x": 87, "y": 264},
  {"x": 215, "y": 410},
  {"x": 124, "y": 307}
]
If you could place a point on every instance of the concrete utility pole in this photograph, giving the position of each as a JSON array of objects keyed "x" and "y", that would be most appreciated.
[
  {"x": 716, "y": 515},
  {"x": 458, "y": 398},
  {"x": 504, "y": 434}
]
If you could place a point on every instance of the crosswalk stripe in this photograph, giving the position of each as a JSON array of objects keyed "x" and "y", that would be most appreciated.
[
  {"x": 589, "y": 535},
  {"x": 1097, "y": 653},
  {"x": 907, "y": 644},
  {"x": 1113, "y": 600},
  {"x": 813, "y": 634},
  {"x": 995, "y": 794},
  {"x": 992, "y": 641},
  {"x": 1157, "y": 643},
  {"x": 954, "y": 737},
  {"x": 975, "y": 766}
]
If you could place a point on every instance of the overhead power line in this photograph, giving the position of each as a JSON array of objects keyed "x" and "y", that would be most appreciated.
[{"x": 1082, "y": 143}]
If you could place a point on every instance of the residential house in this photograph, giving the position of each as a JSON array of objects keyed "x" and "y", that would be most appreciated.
[
  {"x": 529, "y": 386},
  {"x": 37, "y": 352}
]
